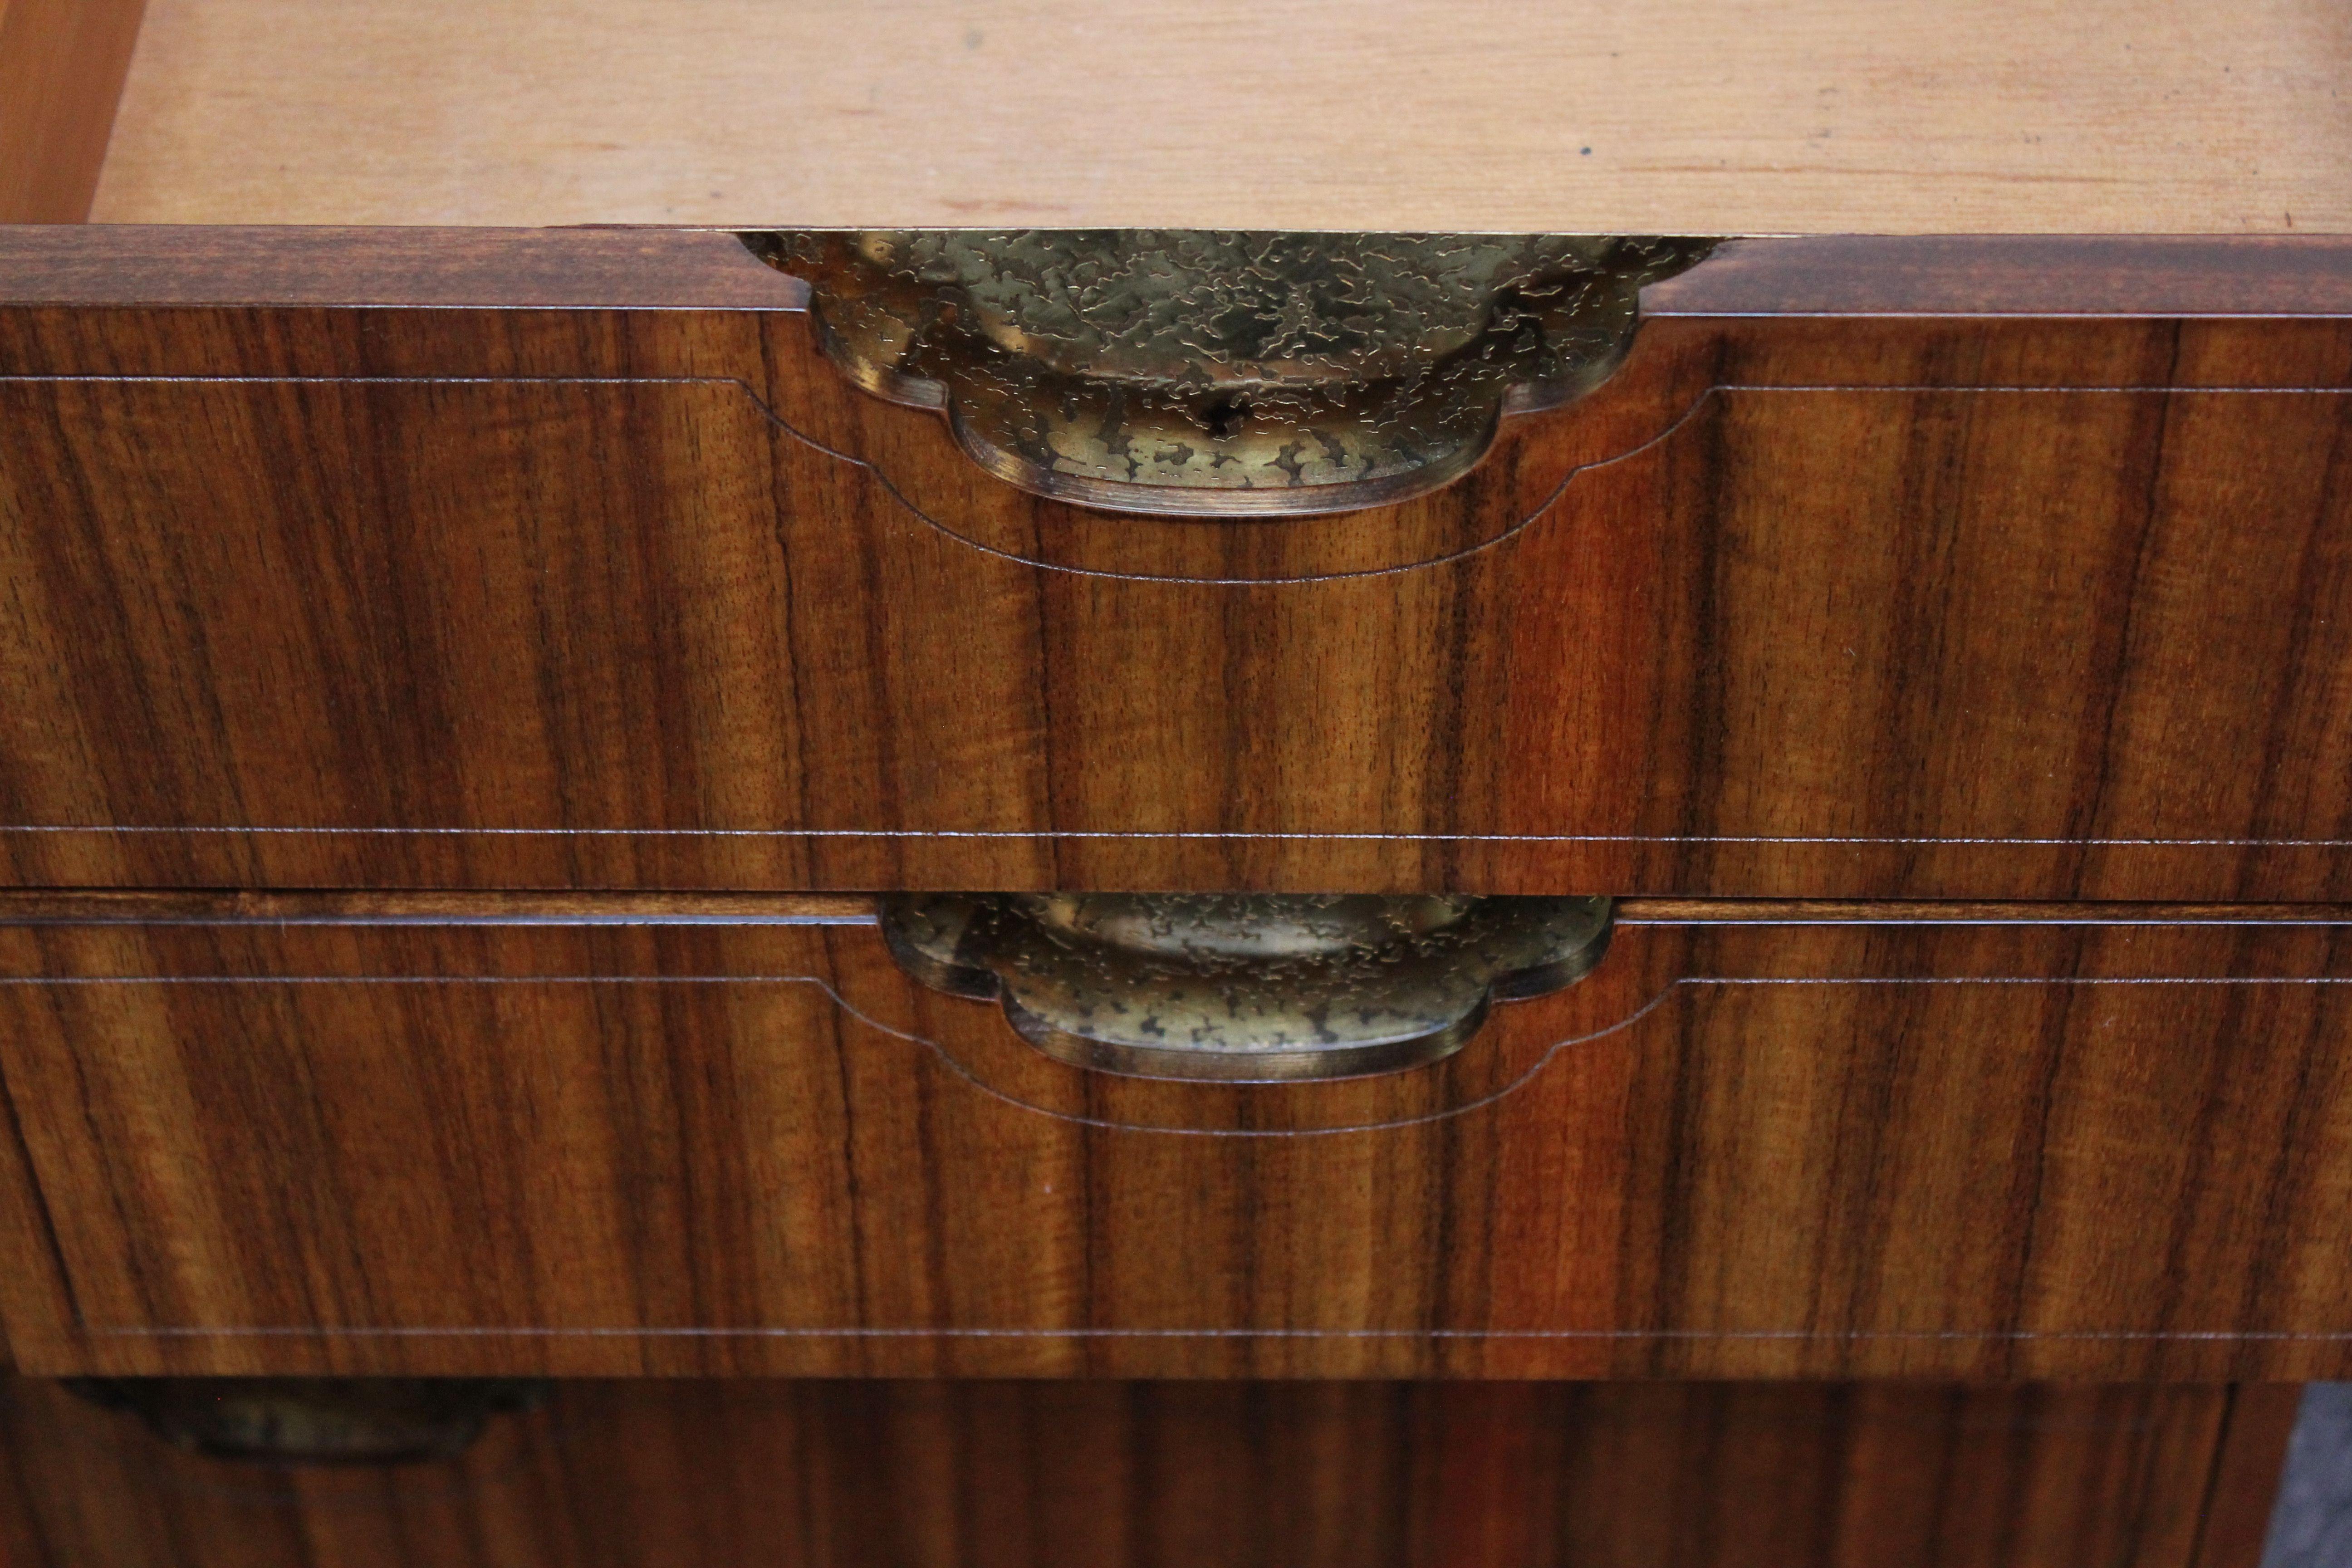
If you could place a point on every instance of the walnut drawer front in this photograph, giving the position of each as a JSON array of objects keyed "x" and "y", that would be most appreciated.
[
  {"x": 1879, "y": 569},
  {"x": 1998, "y": 1146},
  {"x": 1107, "y": 1475}
]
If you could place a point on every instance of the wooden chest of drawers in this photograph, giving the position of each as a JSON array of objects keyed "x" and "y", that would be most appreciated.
[{"x": 485, "y": 609}]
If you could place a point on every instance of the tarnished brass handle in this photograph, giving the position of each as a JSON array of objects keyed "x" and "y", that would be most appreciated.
[
  {"x": 1211, "y": 374},
  {"x": 1246, "y": 988}
]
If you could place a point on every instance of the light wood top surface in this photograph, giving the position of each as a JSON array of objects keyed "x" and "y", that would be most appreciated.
[{"x": 1692, "y": 116}]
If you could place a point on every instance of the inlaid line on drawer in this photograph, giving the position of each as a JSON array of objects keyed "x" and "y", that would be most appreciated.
[
  {"x": 492, "y": 908},
  {"x": 1703, "y": 1336},
  {"x": 1207, "y": 835}
]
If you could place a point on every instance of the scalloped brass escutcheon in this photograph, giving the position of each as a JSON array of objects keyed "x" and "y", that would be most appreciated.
[
  {"x": 1244, "y": 988},
  {"x": 1207, "y": 373}
]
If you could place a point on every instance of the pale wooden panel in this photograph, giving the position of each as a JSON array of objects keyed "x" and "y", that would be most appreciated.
[
  {"x": 61, "y": 66},
  {"x": 1698, "y": 116}
]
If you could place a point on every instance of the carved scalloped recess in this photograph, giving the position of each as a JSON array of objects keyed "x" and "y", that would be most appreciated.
[{"x": 1225, "y": 373}]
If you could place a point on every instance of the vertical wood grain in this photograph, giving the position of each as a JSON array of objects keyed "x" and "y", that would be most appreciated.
[
  {"x": 750, "y": 1474},
  {"x": 2250, "y": 1460},
  {"x": 62, "y": 65},
  {"x": 34, "y": 1299},
  {"x": 1790, "y": 608},
  {"x": 1958, "y": 1150}
]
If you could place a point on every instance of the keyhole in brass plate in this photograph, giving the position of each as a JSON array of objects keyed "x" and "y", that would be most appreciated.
[{"x": 1225, "y": 417}]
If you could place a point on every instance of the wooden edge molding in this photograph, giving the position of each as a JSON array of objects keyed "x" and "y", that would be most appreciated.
[
  {"x": 516, "y": 268},
  {"x": 62, "y": 65},
  {"x": 680, "y": 268},
  {"x": 2145, "y": 276},
  {"x": 1924, "y": 911},
  {"x": 407, "y": 908},
  {"x": 335, "y": 907}
]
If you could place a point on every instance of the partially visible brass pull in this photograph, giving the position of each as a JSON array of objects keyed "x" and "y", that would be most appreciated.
[
  {"x": 1244, "y": 987},
  {"x": 316, "y": 1420},
  {"x": 1192, "y": 371}
]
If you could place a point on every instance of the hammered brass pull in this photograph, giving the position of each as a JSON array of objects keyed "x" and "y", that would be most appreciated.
[
  {"x": 1197, "y": 372},
  {"x": 1246, "y": 988}
]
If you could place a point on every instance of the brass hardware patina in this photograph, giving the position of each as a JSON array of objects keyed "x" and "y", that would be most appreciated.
[
  {"x": 1187, "y": 371},
  {"x": 316, "y": 1420},
  {"x": 1246, "y": 988}
]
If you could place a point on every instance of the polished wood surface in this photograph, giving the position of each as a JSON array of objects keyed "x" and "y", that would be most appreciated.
[
  {"x": 1893, "y": 582},
  {"x": 62, "y": 69},
  {"x": 743, "y": 1474},
  {"x": 1692, "y": 117},
  {"x": 1967, "y": 1151},
  {"x": 1870, "y": 606}
]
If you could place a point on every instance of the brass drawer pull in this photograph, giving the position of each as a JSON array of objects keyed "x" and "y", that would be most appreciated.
[
  {"x": 1246, "y": 988},
  {"x": 1225, "y": 373}
]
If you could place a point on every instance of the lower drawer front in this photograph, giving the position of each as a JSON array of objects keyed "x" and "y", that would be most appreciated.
[
  {"x": 1364, "y": 1474},
  {"x": 1739, "y": 1150}
]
